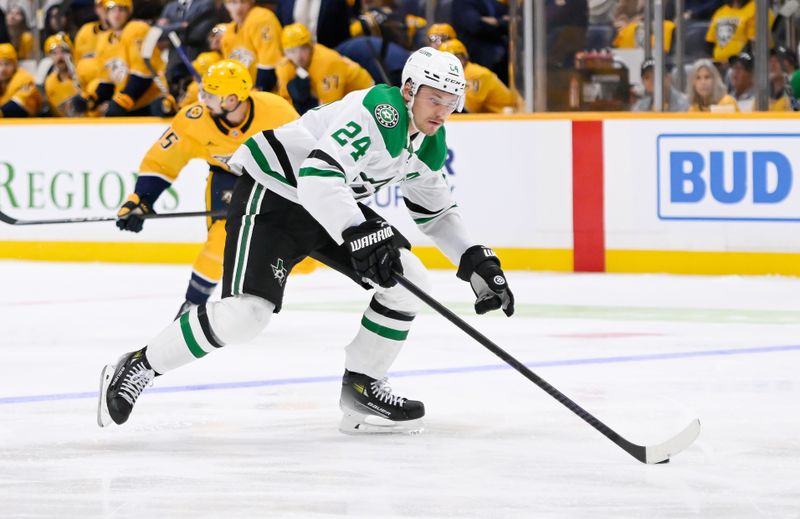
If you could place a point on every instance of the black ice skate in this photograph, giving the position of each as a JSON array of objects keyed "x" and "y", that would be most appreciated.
[
  {"x": 370, "y": 407},
  {"x": 120, "y": 386}
]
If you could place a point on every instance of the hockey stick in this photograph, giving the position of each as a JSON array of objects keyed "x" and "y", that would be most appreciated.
[
  {"x": 176, "y": 42},
  {"x": 150, "y": 216},
  {"x": 651, "y": 454},
  {"x": 148, "y": 47}
]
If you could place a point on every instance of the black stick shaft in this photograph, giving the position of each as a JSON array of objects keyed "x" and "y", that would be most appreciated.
[
  {"x": 91, "y": 219},
  {"x": 517, "y": 365}
]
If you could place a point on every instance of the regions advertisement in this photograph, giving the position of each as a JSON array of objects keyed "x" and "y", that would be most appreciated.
[{"x": 511, "y": 180}]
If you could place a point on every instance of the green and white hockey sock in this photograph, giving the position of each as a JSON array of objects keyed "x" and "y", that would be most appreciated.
[{"x": 381, "y": 336}]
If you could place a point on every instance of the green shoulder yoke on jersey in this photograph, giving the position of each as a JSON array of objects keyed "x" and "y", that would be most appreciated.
[
  {"x": 433, "y": 150},
  {"x": 386, "y": 105}
]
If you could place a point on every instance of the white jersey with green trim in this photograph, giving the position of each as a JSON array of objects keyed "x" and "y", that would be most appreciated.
[{"x": 346, "y": 151}]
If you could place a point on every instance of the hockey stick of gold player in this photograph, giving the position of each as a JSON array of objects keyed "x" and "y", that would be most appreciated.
[
  {"x": 651, "y": 454},
  {"x": 218, "y": 213}
]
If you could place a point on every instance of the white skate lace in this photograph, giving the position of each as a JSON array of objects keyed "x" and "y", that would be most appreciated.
[
  {"x": 383, "y": 392},
  {"x": 134, "y": 383}
]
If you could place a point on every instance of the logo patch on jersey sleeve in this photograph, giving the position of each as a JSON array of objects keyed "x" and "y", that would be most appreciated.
[
  {"x": 387, "y": 115},
  {"x": 195, "y": 112}
]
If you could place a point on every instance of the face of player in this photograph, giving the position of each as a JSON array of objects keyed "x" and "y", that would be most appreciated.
[
  {"x": 238, "y": 9},
  {"x": 7, "y": 69},
  {"x": 59, "y": 57},
  {"x": 217, "y": 105},
  {"x": 300, "y": 56},
  {"x": 117, "y": 17},
  {"x": 704, "y": 83},
  {"x": 431, "y": 108},
  {"x": 436, "y": 40}
]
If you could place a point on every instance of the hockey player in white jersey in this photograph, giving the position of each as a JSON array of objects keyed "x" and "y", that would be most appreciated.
[{"x": 298, "y": 195}]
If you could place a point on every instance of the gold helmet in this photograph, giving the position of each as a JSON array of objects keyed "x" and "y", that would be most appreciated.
[
  {"x": 228, "y": 77},
  {"x": 454, "y": 46},
  {"x": 440, "y": 32},
  {"x": 108, "y": 4},
  {"x": 7, "y": 51},
  {"x": 57, "y": 40},
  {"x": 204, "y": 60},
  {"x": 295, "y": 35}
]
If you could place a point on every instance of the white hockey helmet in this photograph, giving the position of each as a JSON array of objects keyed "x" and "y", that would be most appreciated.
[{"x": 436, "y": 69}]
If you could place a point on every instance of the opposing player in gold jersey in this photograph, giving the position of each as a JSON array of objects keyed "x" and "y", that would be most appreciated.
[
  {"x": 127, "y": 83},
  {"x": 19, "y": 96},
  {"x": 312, "y": 74},
  {"x": 254, "y": 39},
  {"x": 211, "y": 130},
  {"x": 485, "y": 91}
]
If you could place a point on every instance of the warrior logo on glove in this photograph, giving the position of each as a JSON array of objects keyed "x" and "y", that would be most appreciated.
[{"x": 480, "y": 267}]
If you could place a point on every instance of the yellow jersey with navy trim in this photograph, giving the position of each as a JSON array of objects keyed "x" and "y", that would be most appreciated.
[
  {"x": 256, "y": 42},
  {"x": 21, "y": 89},
  {"x": 86, "y": 40},
  {"x": 58, "y": 91},
  {"x": 332, "y": 75},
  {"x": 196, "y": 134},
  {"x": 120, "y": 54},
  {"x": 732, "y": 27},
  {"x": 632, "y": 36},
  {"x": 485, "y": 92}
]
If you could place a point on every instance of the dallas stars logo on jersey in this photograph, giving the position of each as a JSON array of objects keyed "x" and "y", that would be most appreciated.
[{"x": 387, "y": 115}]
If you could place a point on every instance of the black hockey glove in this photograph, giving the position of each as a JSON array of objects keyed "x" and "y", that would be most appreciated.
[
  {"x": 480, "y": 267},
  {"x": 373, "y": 253},
  {"x": 129, "y": 215}
]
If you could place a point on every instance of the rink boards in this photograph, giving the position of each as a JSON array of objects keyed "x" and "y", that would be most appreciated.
[{"x": 583, "y": 192}]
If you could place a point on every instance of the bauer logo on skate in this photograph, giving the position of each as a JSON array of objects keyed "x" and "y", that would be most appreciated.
[{"x": 728, "y": 177}]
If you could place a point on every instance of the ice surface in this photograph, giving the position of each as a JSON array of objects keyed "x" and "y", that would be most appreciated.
[{"x": 251, "y": 430}]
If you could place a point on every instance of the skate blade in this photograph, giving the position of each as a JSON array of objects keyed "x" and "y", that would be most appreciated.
[
  {"x": 371, "y": 424},
  {"x": 103, "y": 416}
]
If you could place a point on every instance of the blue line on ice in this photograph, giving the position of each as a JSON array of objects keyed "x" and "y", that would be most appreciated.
[{"x": 416, "y": 373}]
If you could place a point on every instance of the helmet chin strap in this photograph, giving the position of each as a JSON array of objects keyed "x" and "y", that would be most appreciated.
[
  {"x": 225, "y": 113},
  {"x": 409, "y": 106}
]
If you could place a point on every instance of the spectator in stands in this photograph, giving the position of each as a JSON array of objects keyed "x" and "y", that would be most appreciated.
[
  {"x": 741, "y": 78},
  {"x": 61, "y": 85},
  {"x": 628, "y": 12},
  {"x": 384, "y": 60},
  {"x": 781, "y": 98},
  {"x": 19, "y": 96},
  {"x": 20, "y": 32},
  {"x": 312, "y": 74},
  {"x": 4, "y": 37},
  {"x": 706, "y": 91},
  {"x": 567, "y": 21},
  {"x": 54, "y": 21},
  {"x": 631, "y": 35},
  {"x": 700, "y": 9},
  {"x": 191, "y": 20},
  {"x": 732, "y": 27},
  {"x": 328, "y": 20},
  {"x": 482, "y": 25},
  {"x": 788, "y": 61},
  {"x": 674, "y": 101},
  {"x": 601, "y": 12},
  {"x": 439, "y": 33},
  {"x": 381, "y": 18},
  {"x": 485, "y": 91}
]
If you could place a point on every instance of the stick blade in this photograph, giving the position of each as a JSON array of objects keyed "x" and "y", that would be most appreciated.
[
  {"x": 662, "y": 452},
  {"x": 7, "y": 219}
]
